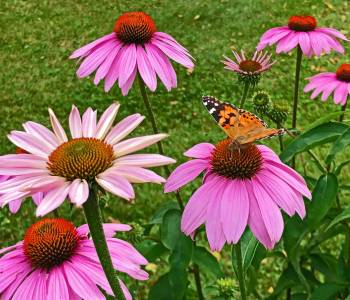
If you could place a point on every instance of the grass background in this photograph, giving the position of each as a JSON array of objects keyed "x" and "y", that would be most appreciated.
[{"x": 38, "y": 36}]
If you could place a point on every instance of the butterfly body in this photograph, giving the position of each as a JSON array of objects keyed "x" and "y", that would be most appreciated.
[{"x": 241, "y": 126}]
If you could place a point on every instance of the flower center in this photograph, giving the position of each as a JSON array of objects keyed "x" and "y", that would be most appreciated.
[
  {"x": 82, "y": 158},
  {"x": 250, "y": 66},
  {"x": 50, "y": 242},
  {"x": 230, "y": 162},
  {"x": 135, "y": 27},
  {"x": 343, "y": 72},
  {"x": 302, "y": 23}
]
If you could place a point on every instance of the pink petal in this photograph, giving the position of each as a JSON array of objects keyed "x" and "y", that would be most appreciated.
[
  {"x": 127, "y": 63},
  {"x": 174, "y": 54},
  {"x": 161, "y": 65},
  {"x": 109, "y": 229},
  {"x": 213, "y": 224},
  {"x": 288, "y": 42},
  {"x": 57, "y": 286},
  {"x": 81, "y": 283},
  {"x": 116, "y": 185},
  {"x": 113, "y": 72},
  {"x": 341, "y": 93},
  {"x": 15, "y": 205},
  {"x": 146, "y": 69},
  {"x": 126, "y": 87},
  {"x": 89, "y": 123},
  {"x": 75, "y": 123},
  {"x": 53, "y": 199},
  {"x": 57, "y": 127},
  {"x": 202, "y": 150},
  {"x": 332, "y": 32},
  {"x": 105, "y": 67},
  {"x": 41, "y": 132},
  {"x": 106, "y": 121},
  {"x": 125, "y": 290},
  {"x": 304, "y": 42},
  {"x": 95, "y": 59},
  {"x": 79, "y": 191},
  {"x": 144, "y": 160},
  {"x": 123, "y": 128},
  {"x": 137, "y": 143},
  {"x": 30, "y": 143},
  {"x": 234, "y": 210},
  {"x": 84, "y": 50},
  {"x": 184, "y": 174},
  {"x": 136, "y": 174}
]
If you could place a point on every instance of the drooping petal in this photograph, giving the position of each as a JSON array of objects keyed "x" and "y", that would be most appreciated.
[
  {"x": 116, "y": 185},
  {"x": 79, "y": 191},
  {"x": 57, "y": 286},
  {"x": 41, "y": 132},
  {"x": 234, "y": 210},
  {"x": 126, "y": 87},
  {"x": 185, "y": 173},
  {"x": 53, "y": 199},
  {"x": 146, "y": 69},
  {"x": 127, "y": 63}
]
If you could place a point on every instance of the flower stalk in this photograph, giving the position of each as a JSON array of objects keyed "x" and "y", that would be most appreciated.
[
  {"x": 343, "y": 109},
  {"x": 94, "y": 220},
  {"x": 245, "y": 94},
  {"x": 240, "y": 272},
  {"x": 151, "y": 115},
  {"x": 296, "y": 86}
]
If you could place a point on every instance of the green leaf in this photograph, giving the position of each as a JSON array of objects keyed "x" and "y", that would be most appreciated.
[
  {"x": 322, "y": 134},
  {"x": 341, "y": 142},
  {"x": 340, "y": 167},
  {"x": 206, "y": 261},
  {"x": 327, "y": 291},
  {"x": 170, "y": 229},
  {"x": 162, "y": 289},
  {"x": 341, "y": 217},
  {"x": 324, "y": 119},
  {"x": 157, "y": 218},
  {"x": 152, "y": 250},
  {"x": 249, "y": 244},
  {"x": 323, "y": 196},
  {"x": 179, "y": 261}
]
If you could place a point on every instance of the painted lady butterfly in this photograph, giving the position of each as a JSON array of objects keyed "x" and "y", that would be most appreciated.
[{"x": 241, "y": 126}]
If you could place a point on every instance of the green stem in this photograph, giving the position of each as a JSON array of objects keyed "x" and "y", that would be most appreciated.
[
  {"x": 296, "y": 86},
  {"x": 151, "y": 116},
  {"x": 245, "y": 94},
  {"x": 94, "y": 220},
  {"x": 240, "y": 273},
  {"x": 280, "y": 137},
  {"x": 197, "y": 279},
  {"x": 343, "y": 109}
]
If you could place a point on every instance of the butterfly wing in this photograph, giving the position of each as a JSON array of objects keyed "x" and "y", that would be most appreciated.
[
  {"x": 225, "y": 114},
  {"x": 239, "y": 124}
]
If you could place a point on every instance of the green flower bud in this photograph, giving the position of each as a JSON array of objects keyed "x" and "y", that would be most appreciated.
[
  {"x": 226, "y": 287},
  {"x": 261, "y": 102},
  {"x": 279, "y": 112},
  {"x": 135, "y": 235}
]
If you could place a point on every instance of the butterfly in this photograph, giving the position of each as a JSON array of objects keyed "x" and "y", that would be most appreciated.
[{"x": 241, "y": 126}]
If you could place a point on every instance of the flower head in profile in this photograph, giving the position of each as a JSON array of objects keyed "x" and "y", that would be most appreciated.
[
  {"x": 97, "y": 153},
  {"x": 245, "y": 186},
  {"x": 55, "y": 260},
  {"x": 249, "y": 69},
  {"x": 135, "y": 46},
  {"x": 327, "y": 83},
  {"x": 302, "y": 31}
]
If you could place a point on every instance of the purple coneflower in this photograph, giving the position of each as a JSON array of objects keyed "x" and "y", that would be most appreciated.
[
  {"x": 96, "y": 154},
  {"x": 134, "y": 46},
  {"x": 246, "y": 186},
  {"x": 58, "y": 261}
]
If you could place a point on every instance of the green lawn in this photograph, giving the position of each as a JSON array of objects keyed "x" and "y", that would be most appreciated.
[{"x": 38, "y": 36}]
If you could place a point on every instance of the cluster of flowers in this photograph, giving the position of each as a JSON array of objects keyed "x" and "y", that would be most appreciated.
[{"x": 56, "y": 260}]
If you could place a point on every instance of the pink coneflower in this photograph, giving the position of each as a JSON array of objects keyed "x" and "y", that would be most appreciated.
[
  {"x": 95, "y": 154},
  {"x": 303, "y": 31},
  {"x": 259, "y": 63},
  {"x": 58, "y": 261},
  {"x": 135, "y": 46},
  {"x": 327, "y": 83},
  {"x": 241, "y": 186}
]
